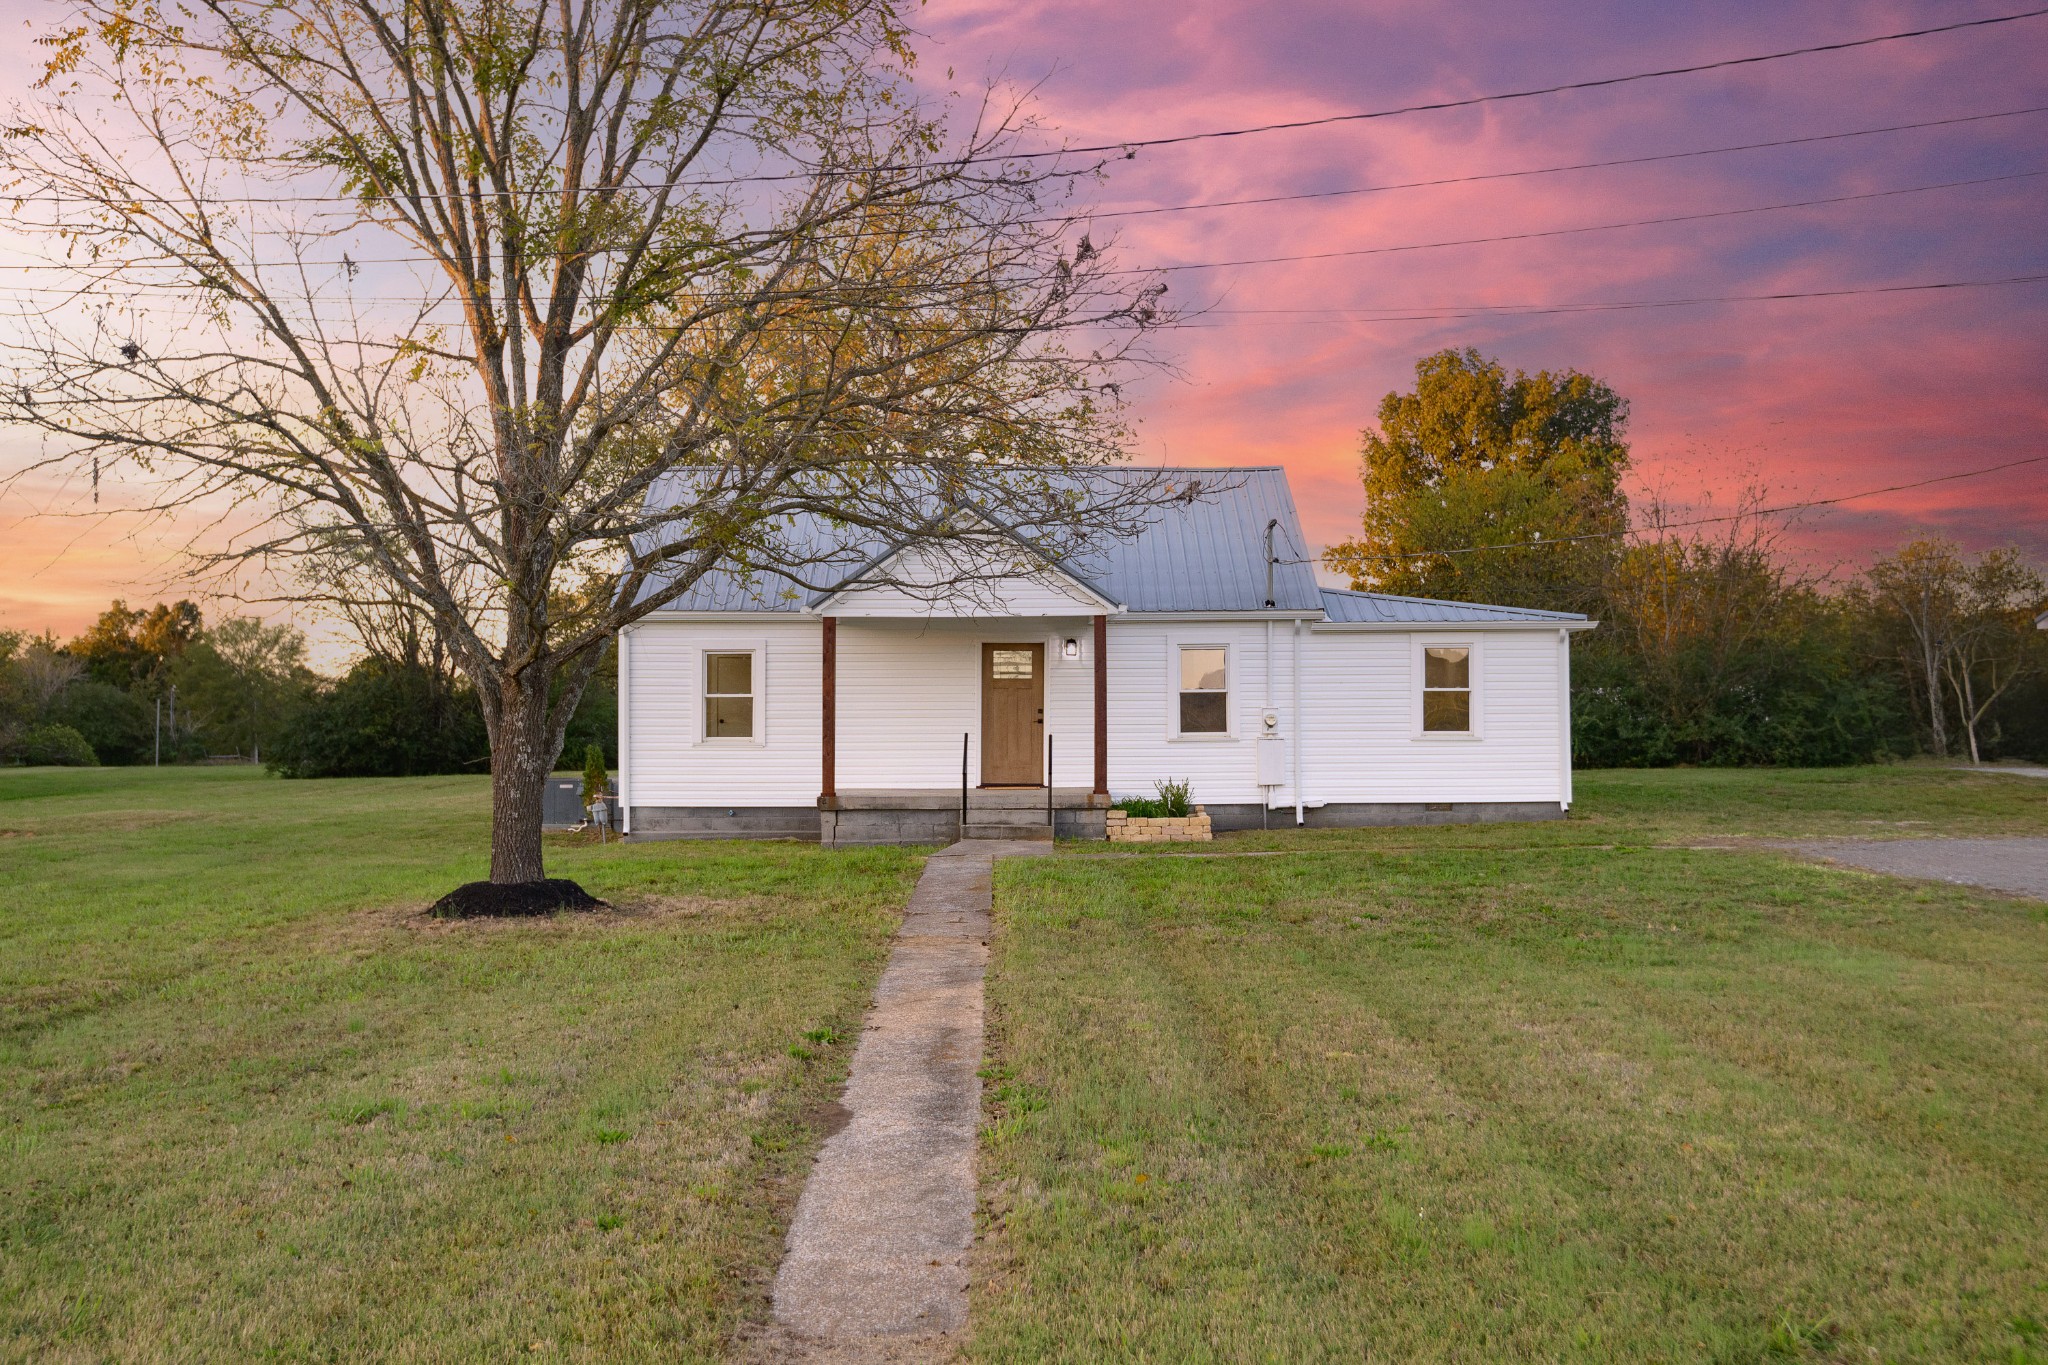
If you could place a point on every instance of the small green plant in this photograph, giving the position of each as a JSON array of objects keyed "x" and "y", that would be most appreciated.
[
  {"x": 610, "y": 1221},
  {"x": 611, "y": 1137},
  {"x": 827, "y": 1035},
  {"x": 1175, "y": 799},
  {"x": 595, "y": 778}
]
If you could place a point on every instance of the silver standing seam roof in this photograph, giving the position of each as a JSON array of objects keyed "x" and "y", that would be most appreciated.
[
  {"x": 1205, "y": 552},
  {"x": 1347, "y": 607}
]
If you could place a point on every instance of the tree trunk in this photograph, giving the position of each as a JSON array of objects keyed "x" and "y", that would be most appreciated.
[
  {"x": 1937, "y": 718},
  {"x": 1969, "y": 709},
  {"x": 521, "y": 754}
]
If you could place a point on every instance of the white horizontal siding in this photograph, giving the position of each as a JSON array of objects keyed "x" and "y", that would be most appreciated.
[
  {"x": 1144, "y": 700},
  {"x": 668, "y": 762},
  {"x": 908, "y": 691},
  {"x": 1359, "y": 691}
]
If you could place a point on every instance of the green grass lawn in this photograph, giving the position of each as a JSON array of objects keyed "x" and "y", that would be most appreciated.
[
  {"x": 254, "y": 1105},
  {"x": 1573, "y": 1091}
]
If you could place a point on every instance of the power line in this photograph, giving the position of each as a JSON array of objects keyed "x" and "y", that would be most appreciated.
[
  {"x": 161, "y": 288},
  {"x": 1540, "y": 170},
  {"x": 1130, "y": 147},
  {"x": 1588, "y": 227},
  {"x": 1446, "y": 312},
  {"x": 1134, "y": 146},
  {"x": 1092, "y": 215},
  {"x": 1704, "y": 521},
  {"x": 1479, "y": 310}
]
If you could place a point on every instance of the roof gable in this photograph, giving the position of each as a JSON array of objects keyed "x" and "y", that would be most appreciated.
[
  {"x": 944, "y": 580},
  {"x": 1203, "y": 550}
]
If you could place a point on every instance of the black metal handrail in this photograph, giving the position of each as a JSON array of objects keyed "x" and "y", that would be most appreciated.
[
  {"x": 1048, "y": 785},
  {"x": 963, "y": 786}
]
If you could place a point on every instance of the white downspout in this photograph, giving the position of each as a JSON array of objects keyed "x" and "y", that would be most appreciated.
[
  {"x": 625, "y": 731},
  {"x": 1564, "y": 718},
  {"x": 1300, "y": 723},
  {"x": 1265, "y": 792}
]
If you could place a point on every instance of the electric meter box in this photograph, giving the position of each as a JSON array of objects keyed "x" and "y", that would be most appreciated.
[{"x": 1272, "y": 761}]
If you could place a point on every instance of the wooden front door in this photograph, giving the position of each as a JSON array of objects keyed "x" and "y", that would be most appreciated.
[{"x": 1012, "y": 715}]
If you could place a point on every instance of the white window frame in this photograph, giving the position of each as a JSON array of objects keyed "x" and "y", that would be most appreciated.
[
  {"x": 701, "y": 664},
  {"x": 1174, "y": 645},
  {"x": 1476, "y": 672}
]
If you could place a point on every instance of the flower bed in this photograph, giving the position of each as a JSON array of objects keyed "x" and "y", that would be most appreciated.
[{"x": 1125, "y": 828}]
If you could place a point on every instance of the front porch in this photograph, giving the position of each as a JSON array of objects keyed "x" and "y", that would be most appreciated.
[{"x": 942, "y": 816}]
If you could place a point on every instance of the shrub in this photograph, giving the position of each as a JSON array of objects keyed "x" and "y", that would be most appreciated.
[
  {"x": 595, "y": 778},
  {"x": 1175, "y": 800},
  {"x": 118, "y": 725},
  {"x": 384, "y": 720},
  {"x": 57, "y": 746}
]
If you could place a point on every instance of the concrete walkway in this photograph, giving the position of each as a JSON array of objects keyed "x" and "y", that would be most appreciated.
[{"x": 876, "y": 1263}]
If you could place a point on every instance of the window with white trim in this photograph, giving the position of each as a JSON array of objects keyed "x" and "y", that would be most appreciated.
[
  {"x": 1447, "y": 689},
  {"x": 1204, "y": 690},
  {"x": 729, "y": 694}
]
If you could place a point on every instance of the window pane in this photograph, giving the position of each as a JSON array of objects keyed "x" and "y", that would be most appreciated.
[
  {"x": 1447, "y": 710},
  {"x": 1201, "y": 670},
  {"x": 1010, "y": 665},
  {"x": 728, "y": 717},
  {"x": 1204, "y": 713},
  {"x": 729, "y": 673},
  {"x": 1446, "y": 667}
]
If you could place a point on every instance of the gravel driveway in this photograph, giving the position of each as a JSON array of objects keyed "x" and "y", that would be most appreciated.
[{"x": 2002, "y": 864}]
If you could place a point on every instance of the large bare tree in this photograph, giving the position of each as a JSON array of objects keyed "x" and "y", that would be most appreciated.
[{"x": 444, "y": 287}]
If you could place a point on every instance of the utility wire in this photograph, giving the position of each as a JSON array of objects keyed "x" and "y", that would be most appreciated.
[
  {"x": 1092, "y": 215},
  {"x": 103, "y": 285},
  {"x": 1451, "y": 312},
  {"x": 1539, "y": 170},
  {"x": 1511, "y": 310},
  {"x": 1571, "y": 231},
  {"x": 1700, "y": 521},
  {"x": 1129, "y": 148},
  {"x": 1134, "y": 146}
]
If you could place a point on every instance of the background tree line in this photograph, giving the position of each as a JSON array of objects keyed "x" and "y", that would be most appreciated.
[
  {"x": 1715, "y": 646},
  {"x": 161, "y": 684}
]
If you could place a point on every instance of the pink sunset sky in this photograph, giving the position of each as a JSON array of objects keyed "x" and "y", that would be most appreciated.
[{"x": 1815, "y": 397}]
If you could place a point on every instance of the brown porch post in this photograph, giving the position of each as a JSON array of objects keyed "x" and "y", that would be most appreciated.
[
  {"x": 1102, "y": 706},
  {"x": 828, "y": 748}
]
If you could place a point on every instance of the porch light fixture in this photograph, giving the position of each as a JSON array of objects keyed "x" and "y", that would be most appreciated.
[{"x": 1070, "y": 649}]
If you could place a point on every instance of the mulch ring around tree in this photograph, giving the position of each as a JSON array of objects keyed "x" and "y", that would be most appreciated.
[{"x": 492, "y": 900}]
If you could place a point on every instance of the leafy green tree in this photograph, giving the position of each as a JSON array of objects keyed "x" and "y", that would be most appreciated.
[
  {"x": 382, "y": 720},
  {"x": 1711, "y": 651},
  {"x": 1960, "y": 630},
  {"x": 135, "y": 648},
  {"x": 120, "y": 726},
  {"x": 1467, "y": 478},
  {"x": 241, "y": 679}
]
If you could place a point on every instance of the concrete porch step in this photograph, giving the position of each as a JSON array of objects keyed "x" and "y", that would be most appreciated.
[
  {"x": 1040, "y": 833},
  {"x": 1004, "y": 816}
]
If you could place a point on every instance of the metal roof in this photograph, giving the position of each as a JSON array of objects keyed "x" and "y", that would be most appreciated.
[
  {"x": 1385, "y": 609},
  {"x": 1202, "y": 550}
]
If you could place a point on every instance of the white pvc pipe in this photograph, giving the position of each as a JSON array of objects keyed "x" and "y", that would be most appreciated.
[
  {"x": 625, "y": 732},
  {"x": 1299, "y": 724}
]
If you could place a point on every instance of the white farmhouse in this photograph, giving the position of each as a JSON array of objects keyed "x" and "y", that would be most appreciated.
[{"x": 1199, "y": 649}]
